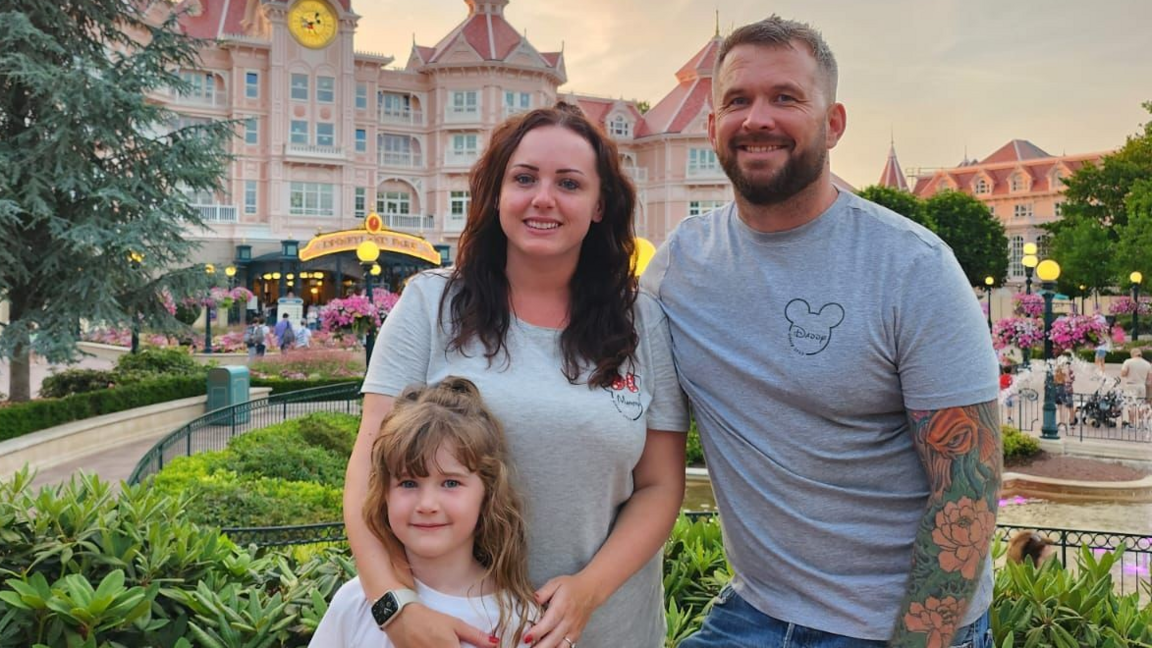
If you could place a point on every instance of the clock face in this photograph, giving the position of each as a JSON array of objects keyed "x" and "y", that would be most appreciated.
[{"x": 312, "y": 22}]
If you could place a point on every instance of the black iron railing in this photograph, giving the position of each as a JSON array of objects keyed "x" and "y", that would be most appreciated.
[
  {"x": 213, "y": 430},
  {"x": 1093, "y": 417}
]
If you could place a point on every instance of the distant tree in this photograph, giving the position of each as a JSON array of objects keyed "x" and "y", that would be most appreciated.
[
  {"x": 643, "y": 106},
  {"x": 899, "y": 201},
  {"x": 91, "y": 171},
  {"x": 973, "y": 233},
  {"x": 1134, "y": 250},
  {"x": 1084, "y": 251}
]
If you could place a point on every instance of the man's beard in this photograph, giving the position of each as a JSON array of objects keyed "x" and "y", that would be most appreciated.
[{"x": 796, "y": 175}]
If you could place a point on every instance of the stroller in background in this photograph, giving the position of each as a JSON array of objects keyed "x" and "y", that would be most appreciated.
[{"x": 1104, "y": 406}]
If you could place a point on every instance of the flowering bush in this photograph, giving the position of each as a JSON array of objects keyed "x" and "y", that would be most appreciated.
[
  {"x": 123, "y": 338},
  {"x": 1075, "y": 331},
  {"x": 325, "y": 340},
  {"x": 310, "y": 363},
  {"x": 1125, "y": 306},
  {"x": 1028, "y": 305},
  {"x": 356, "y": 313},
  {"x": 218, "y": 297},
  {"x": 1020, "y": 332}
]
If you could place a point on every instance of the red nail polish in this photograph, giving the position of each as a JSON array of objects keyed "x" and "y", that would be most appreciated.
[
  {"x": 528, "y": 639},
  {"x": 493, "y": 639}
]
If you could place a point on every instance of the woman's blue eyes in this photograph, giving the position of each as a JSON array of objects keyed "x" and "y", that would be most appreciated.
[{"x": 524, "y": 179}]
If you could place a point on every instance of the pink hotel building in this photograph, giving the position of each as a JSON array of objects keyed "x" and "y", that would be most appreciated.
[{"x": 331, "y": 133}]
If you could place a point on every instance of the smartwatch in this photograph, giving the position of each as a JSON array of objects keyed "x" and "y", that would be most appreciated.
[{"x": 387, "y": 607}]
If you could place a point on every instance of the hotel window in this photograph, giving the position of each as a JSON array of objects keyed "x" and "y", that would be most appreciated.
[
  {"x": 361, "y": 96},
  {"x": 943, "y": 186},
  {"x": 620, "y": 127},
  {"x": 325, "y": 89},
  {"x": 325, "y": 134},
  {"x": 394, "y": 202},
  {"x": 395, "y": 149},
  {"x": 251, "y": 130},
  {"x": 1059, "y": 208},
  {"x": 465, "y": 102},
  {"x": 702, "y": 159},
  {"x": 299, "y": 132},
  {"x": 395, "y": 105},
  {"x": 458, "y": 205},
  {"x": 311, "y": 199},
  {"x": 300, "y": 87},
  {"x": 1023, "y": 210},
  {"x": 249, "y": 196},
  {"x": 201, "y": 86},
  {"x": 464, "y": 146},
  {"x": 361, "y": 140},
  {"x": 1018, "y": 182},
  {"x": 516, "y": 102},
  {"x": 981, "y": 186},
  {"x": 252, "y": 85},
  {"x": 1015, "y": 268},
  {"x": 698, "y": 207},
  {"x": 360, "y": 202}
]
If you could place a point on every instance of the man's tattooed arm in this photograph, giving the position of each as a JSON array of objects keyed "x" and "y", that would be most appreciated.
[{"x": 960, "y": 450}]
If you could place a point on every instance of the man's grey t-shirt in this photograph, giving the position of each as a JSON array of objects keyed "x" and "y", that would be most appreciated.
[
  {"x": 801, "y": 352},
  {"x": 573, "y": 448}
]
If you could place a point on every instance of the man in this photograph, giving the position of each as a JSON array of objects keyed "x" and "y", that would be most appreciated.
[
  {"x": 842, "y": 377},
  {"x": 1135, "y": 373},
  {"x": 285, "y": 334}
]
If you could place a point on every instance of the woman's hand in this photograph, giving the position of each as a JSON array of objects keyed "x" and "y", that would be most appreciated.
[
  {"x": 421, "y": 627},
  {"x": 570, "y": 602}
]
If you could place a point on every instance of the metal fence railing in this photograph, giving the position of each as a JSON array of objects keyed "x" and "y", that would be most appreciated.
[
  {"x": 213, "y": 430},
  {"x": 1095, "y": 416}
]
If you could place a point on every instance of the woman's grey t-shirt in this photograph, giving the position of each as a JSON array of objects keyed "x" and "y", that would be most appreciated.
[{"x": 573, "y": 448}]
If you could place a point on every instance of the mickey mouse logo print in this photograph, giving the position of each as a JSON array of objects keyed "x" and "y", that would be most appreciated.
[{"x": 810, "y": 331}]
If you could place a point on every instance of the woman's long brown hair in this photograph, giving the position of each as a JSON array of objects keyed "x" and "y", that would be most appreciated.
[
  {"x": 452, "y": 414},
  {"x": 600, "y": 332}
]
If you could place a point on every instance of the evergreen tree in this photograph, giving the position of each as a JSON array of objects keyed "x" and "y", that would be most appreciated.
[
  {"x": 92, "y": 170},
  {"x": 899, "y": 201},
  {"x": 974, "y": 234}
]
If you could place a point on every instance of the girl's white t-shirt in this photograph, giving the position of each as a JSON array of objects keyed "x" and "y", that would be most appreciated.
[{"x": 349, "y": 623}]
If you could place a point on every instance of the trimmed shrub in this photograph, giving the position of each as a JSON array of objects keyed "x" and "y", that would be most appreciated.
[
  {"x": 76, "y": 381},
  {"x": 1017, "y": 445},
  {"x": 19, "y": 419},
  {"x": 282, "y": 385},
  {"x": 159, "y": 361}
]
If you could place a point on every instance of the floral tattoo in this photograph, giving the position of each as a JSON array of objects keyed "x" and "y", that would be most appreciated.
[{"x": 960, "y": 450}]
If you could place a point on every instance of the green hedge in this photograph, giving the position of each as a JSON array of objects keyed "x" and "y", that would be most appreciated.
[
  {"x": 1018, "y": 447},
  {"x": 284, "y": 385},
  {"x": 18, "y": 419}
]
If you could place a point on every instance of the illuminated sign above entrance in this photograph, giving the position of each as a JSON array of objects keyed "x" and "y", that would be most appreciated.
[{"x": 347, "y": 240}]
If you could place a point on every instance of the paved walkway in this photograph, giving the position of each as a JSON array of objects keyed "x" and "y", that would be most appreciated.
[{"x": 42, "y": 369}]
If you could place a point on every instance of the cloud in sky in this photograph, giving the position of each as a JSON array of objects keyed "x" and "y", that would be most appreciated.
[{"x": 943, "y": 77}]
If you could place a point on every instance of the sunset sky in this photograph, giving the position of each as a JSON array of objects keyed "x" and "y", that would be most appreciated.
[{"x": 942, "y": 76}]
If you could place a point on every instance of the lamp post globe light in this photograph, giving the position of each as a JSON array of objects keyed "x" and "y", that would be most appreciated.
[
  {"x": 1136, "y": 279},
  {"x": 210, "y": 270},
  {"x": 135, "y": 260},
  {"x": 988, "y": 282},
  {"x": 1029, "y": 262},
  {"x": 368, "y": 252},
  {"x": 1048, "y": 271}
]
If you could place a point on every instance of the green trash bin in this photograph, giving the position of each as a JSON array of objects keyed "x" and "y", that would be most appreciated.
[{"x": 228, "y": 386}]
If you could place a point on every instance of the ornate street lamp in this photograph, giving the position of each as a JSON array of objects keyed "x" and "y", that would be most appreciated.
[
  {"x": 135, "y": 260},
  {"x": 368, "y": 252},
  {"x": 1083, "y": 293},
  {"x": 1137, "y": 279},
  {"x": 1029, "y": 262},
  {"x": 230, "y": 272},
  {"x": 988, "y": 281},
  {"x": 210, "y": 270},
  {"x": 1048, "y": 271}
]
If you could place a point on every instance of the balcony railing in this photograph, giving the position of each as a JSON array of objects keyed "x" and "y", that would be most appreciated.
[
  {"x": 218, "y": 213},
  {"x": 314, "y": 151},
  {"x": 401, "y": 159},
  {"x": 410, "y": 117},
  {"x": 706, "y": 173},
  {"x": 416, "y": 222},
  {"x": 459, "y": 158},
  {"x": 457, "y": 115},
  {"x": 638, "y": 174}
]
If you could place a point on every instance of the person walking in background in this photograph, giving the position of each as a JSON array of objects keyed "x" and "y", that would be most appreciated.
[
  {"x": 1063, "y": 379},
  {"x": 285, "y": 333},
  {"x": 857, "y": 505},
  {"x": 1136, "y": 373},
  {"x": 303, "y": 335}
]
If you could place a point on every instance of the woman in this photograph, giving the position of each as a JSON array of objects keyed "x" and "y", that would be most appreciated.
[{"x": 542, "y": 313}]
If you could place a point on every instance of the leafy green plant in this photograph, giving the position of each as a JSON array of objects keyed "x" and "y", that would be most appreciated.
[
  {"x": 81, "y": 565},
  {"x": 695, "y": 570},
  {"x": 152, "y": 360},
  {"x": 694, "y": 453},
  {"x": 76, "y": 381},
  {"x": 1017, "y": 445}
]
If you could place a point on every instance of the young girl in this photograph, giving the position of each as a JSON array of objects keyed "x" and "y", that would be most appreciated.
[{"x": 441, "y": 502}]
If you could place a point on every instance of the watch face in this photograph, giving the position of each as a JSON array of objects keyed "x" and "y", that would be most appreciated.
[
  {"x": 312, "y": 22},
  {"x": 384, "y": 608}
]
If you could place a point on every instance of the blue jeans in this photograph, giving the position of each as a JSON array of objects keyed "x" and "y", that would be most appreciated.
[{"x": 733, "y": 623}]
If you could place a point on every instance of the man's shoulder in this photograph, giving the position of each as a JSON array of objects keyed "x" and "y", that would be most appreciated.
[{"x": 882, "y": 221}]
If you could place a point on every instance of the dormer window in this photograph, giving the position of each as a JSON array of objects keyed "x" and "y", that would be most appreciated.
[
  {"x": 1057, "y": 179},
  {"x": 942, "y": 186},
  {"x": 620, "y": 127},
  {"x": 1019, "y": 183},
  {"x": 982, "y": 187}
]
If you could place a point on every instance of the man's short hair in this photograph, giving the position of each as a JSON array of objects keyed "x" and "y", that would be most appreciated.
[
  {"x": 1137, "y": 352},
  {"x": 775, "y": 31}
]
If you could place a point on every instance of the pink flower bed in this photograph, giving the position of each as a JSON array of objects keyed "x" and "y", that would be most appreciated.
[
  {"x": 1125, "y": 306},
  {"x": 356, "y": 313},
  {"x": 1028, "y": 305},
  {"x": 1020, "y": 332},
  {"x": 1076, "y": 331}
]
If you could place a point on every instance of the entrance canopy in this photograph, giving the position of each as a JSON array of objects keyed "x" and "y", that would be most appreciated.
[{"x": 347, "y": 240}]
